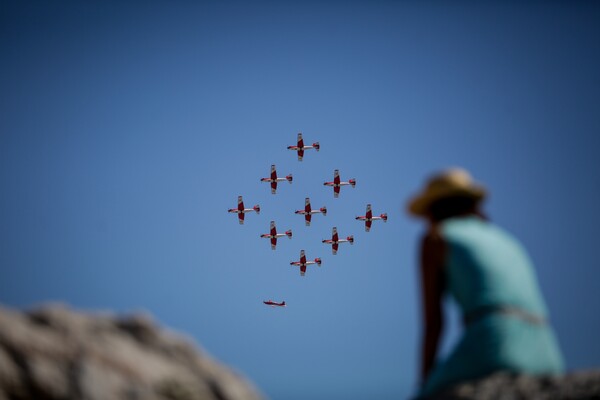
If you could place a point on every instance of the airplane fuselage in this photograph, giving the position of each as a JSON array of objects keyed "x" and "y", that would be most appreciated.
[
  {"x": 273, "y": 180},
  {"x": 237, "y": 211},
  {"x": 304, "y": 212},
  {"x": 268, "y": 236}
]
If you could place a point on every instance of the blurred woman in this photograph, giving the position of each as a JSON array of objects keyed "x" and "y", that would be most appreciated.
[{"x": 491, "y": 278}]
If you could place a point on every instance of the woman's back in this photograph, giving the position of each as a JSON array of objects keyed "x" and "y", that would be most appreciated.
[
  {"x": 492, "y": 279},
  {"x": 486, "y": 267}
]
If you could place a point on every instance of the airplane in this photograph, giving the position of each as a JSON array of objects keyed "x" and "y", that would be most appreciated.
[
  {"x": 335, "y": 240},
  {"x": 274, "y": 179},
  {"x": 274, "y": 303},
  {"x": 308, "y": 212},
  {"x": 301, "y": 147},
  {"x": 368, "y": 218},
  {"x": 337, "y": 183},
  {"x": 274, "y": 235},
  {"x": 303, "y": 263},
  {"x": 240, "y": 210}
]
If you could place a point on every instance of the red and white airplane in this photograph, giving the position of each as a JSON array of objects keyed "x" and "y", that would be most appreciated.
[
  {"x": 308, "y": 212},
  {"x": 337, "y": 183},
  {"x": 274, "y": 303},
  {"x": 303, "y": 263},
  {"x": 274, "y": 235},
  {"x": 301, "y": 147},
  {"x": 335, "y": 240},
  {"x": 274, "y": 179},
  {"x": 369, "y": 218},
  {"x": 240, "y": 210}
]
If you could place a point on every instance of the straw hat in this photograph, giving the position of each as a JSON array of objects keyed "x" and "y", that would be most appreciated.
[{"x": 449, "y": 183}]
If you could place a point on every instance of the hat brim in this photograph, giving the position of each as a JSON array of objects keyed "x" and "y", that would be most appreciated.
[{"x": 419, "y": 205}]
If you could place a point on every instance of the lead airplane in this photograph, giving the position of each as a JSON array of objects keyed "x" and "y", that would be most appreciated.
[
  {"x": 240, "y": 210},
  {"x": 337, "y": 183},
  {"x": 308, "y": 212},
  {"x": 274, "y": 179},
  {"x": 303, "y": 263},
  {"x": 274, "y": 303},
  {"x": 335, "y": 240},
  {"x": 301, "y": 147},
  {"x": 274, "y": 235},
  {"x": 369, "y": 218}
]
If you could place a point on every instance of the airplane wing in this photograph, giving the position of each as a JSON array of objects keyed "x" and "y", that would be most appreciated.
[
  {"x": 273, "y": 243},
  {"x": 241, "y": 218},
  {"x": 369, "y": 213},
  {"x": 368, "y": 225},
  {"x": 334, "y": 248}
]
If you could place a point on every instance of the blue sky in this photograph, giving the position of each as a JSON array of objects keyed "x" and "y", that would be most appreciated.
[{"x": 128, "y": 130}]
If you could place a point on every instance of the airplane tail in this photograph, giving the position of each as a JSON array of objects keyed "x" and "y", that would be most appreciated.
[
  {"x": 289, "y": 233},
  {"x": 352, "y": 182},
  {"x": 283, "y": 303},
  {"x": 350, "y": 239},
  {"x": 289, "y": 178},
  {"x": 323, "y": 210},
  {"x": 256, "y": 208},
  {"x": 384, "y": 217},
  {"x": 318, "y": 261},
  {"x": 317, "y": 146}
]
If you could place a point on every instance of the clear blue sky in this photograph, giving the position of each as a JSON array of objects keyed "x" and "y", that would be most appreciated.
[{"x": 128, "y": 130}]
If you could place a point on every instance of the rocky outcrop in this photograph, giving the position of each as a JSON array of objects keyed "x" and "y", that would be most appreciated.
[
  {"x": 504, "y": 386},
  {"x": 54, "y": 353}
]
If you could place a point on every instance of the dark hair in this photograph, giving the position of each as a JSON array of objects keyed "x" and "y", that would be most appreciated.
[{"x": 449, "y": 207}]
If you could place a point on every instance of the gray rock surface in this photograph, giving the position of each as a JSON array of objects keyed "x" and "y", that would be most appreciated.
[
  {"x": 504, "y": 386},
  {"x": 55, "y": 353}
]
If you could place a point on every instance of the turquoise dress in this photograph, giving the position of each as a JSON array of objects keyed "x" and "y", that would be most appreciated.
[{"x": 487, "y": 269}]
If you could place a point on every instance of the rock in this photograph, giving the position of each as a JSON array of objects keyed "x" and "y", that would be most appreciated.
[
  {"x": 506, "y": 386},
  {"x": 55, "y": 353}
]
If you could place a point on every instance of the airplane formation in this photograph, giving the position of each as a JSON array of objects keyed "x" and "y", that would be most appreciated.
[{"x": 335, "y": 240}]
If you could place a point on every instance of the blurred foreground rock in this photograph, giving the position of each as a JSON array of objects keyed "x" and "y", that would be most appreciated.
[
  {"x": 57, "y": 353},
  {"x": 504, "y": 386}
]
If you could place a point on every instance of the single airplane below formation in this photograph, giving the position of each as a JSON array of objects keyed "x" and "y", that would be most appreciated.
[
  {"x": 303, "y": 263},
  {"x": 369, "y": 218},
  {"x": 274, "y": 179},
  {"x": 335, "y": 240},
  {"x": 308, "y": 212},
  {"x": 301, "y": 147},
  {"x": 337, "y": 183},
  {"x": 274, "y": 303},
  {"x": 274, "y": 235},
  {"x": 240, "y": 210}
]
